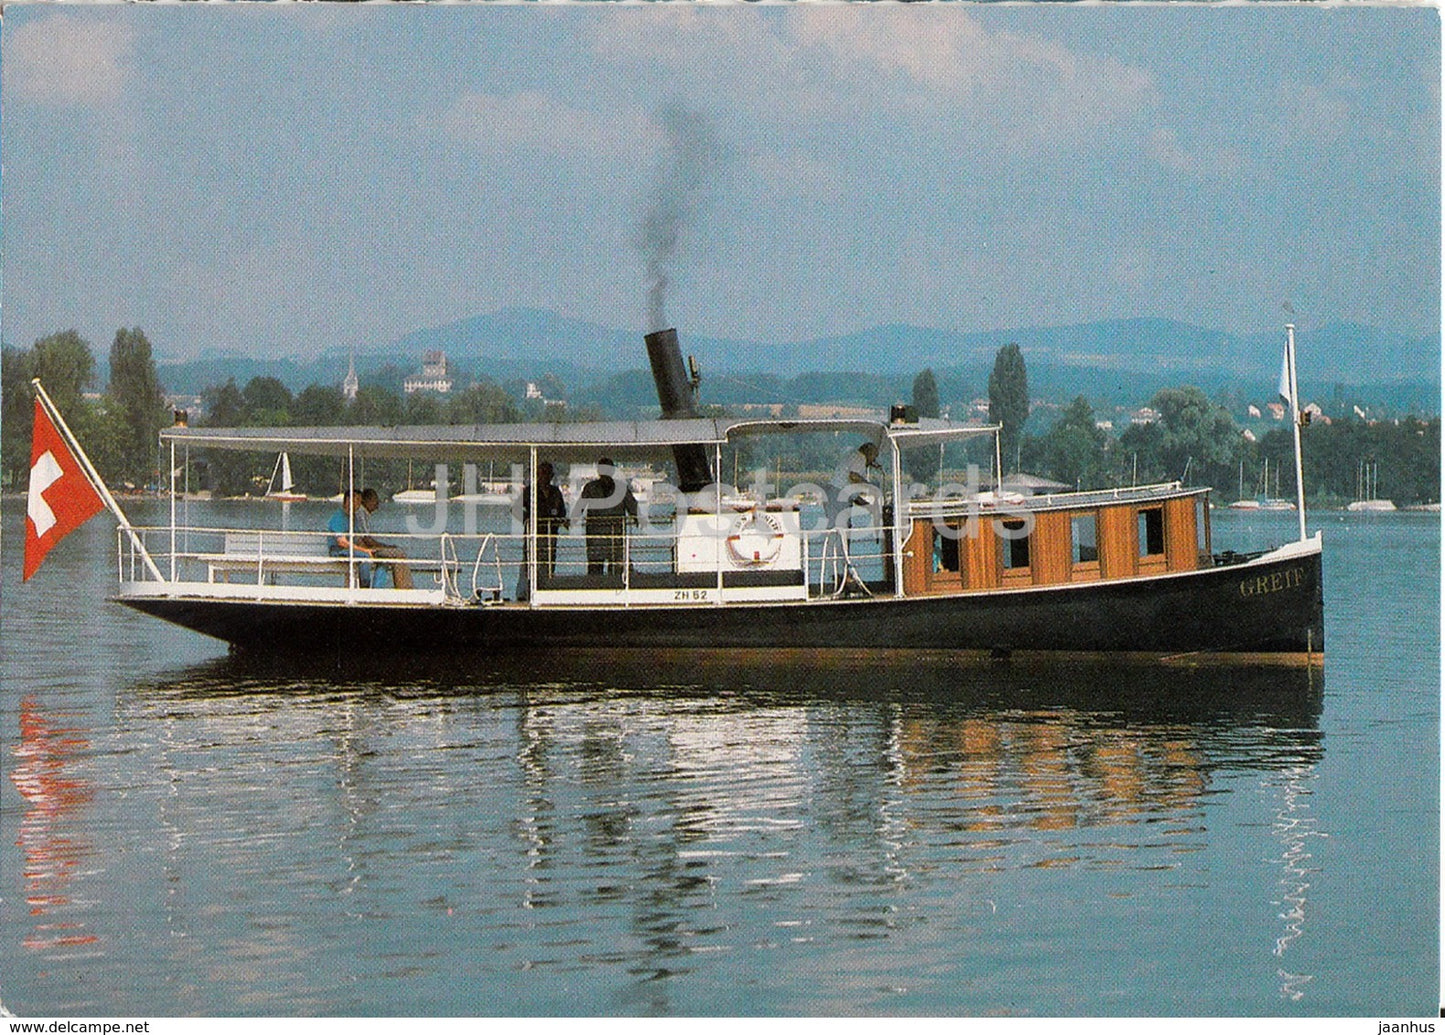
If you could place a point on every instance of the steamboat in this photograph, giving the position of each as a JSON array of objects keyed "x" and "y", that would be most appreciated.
[{"x": 1120, "y": 573}]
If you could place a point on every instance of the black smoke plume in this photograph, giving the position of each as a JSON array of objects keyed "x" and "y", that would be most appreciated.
[{"x": 677, "y": 201}]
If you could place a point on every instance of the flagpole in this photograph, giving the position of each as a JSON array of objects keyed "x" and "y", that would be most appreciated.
[
  {"x": 1299, "y": 479},
  {"x": 96, "y": 482},
  {"x": 173, "y": 510}
]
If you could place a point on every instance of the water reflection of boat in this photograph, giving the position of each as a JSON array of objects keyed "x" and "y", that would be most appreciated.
[
  {"x": 1130, "y": 688},
  {"x": 497, "y": 498},
  {"x": 1021, "y": 747},
  {"x": 852, "y": 795}
]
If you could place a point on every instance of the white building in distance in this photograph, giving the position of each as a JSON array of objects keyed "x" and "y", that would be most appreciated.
[{"x": 433, "y": 376}]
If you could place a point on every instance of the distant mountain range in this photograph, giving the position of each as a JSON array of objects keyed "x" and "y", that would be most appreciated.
[{"x": 1105, "y": 360}]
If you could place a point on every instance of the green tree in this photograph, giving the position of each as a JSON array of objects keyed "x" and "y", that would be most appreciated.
[
  {"x": 1138, "y": 455},
  {"x": 482, "y": 403},
  {"x": 1192, "y": 433},
  {"x": 227, "y": 473},
  {"x": 923, "y": 464},
  {"x": 1198, "y": 434},
  {"x": 267, "y": 402},
  {"x": 319, "y": 405},
  {"x": 925, "y": 394},
  {"x": 17, "y": 409},
  {"x": 375, "y": 404},
  {"x": 66, "y": 368},
  {"x": 423, "y": 408},
  {"x": 1073, "y": 450},
  {"x": 106, "y": 438},
  {"x": 136, "y": 403},
  {"x": 551, "y": 387},
  {"x": 1008, "y": 399},
  {"x": 225, "y": 405}
]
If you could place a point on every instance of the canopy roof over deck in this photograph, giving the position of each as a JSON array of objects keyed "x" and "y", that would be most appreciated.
[{"x": 579, "y": 441}]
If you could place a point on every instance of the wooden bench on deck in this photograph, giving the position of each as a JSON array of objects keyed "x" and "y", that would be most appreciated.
[{"x": 263, "y": 554}]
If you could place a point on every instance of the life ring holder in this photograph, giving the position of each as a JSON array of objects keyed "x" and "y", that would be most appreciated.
[{"x": 748, "y": 525}]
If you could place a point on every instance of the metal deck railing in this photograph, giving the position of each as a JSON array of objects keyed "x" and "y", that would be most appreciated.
[{"x": 489, "y": 567}]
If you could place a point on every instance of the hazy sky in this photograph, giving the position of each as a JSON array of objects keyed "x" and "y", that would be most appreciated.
[{"x": 281, "y": 180}]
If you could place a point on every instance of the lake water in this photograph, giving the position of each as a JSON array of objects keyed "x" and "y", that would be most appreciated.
[{"x": 679, "y": 835}]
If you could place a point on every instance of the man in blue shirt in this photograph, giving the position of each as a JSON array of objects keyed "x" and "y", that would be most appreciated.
[{"x": 343, "y": 540}]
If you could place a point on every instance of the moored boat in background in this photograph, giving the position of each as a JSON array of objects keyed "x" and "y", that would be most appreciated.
[{"x": 1367, "y": 491}]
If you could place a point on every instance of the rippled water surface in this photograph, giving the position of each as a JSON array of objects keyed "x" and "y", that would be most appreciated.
[{"x": 685, "y": 833}]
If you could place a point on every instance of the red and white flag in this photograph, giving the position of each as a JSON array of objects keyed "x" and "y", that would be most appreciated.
[{"x": 61, "y": 497}]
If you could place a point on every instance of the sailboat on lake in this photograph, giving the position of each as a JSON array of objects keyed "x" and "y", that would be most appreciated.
[
  {"x": 1367, "y": 490},
  {"x": 286, "y": 489},
  {"x": 1275, "y": 502}
]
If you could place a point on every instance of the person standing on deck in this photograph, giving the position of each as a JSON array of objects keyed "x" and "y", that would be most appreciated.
[
  {"x": 551, "y": 518},
  {"x": 852, "y": 485},
  {"x": 608, "y": 503}
]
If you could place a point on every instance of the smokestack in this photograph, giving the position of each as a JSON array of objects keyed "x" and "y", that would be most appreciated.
[{"x": 674, "y": 392}]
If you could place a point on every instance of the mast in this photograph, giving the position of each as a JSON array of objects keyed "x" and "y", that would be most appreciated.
[{"x": 1299, "y": 478}]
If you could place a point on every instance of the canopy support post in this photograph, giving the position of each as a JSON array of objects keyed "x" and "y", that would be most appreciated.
[
  {"x": 900, "y": 513},
  {"x": 531, "y": 531}
]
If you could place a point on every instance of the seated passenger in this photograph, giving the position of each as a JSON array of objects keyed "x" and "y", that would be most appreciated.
[
  {"x": 342, "y": 543},
  {"x": 400, "y": 573}
]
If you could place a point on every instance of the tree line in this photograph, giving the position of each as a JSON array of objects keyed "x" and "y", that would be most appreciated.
[
  {"x": 119, "y": 428},
  {"x": 267, "y": 402},
  {"x": 1194, "y": 440},
  {"x": 1197, "y": 441}
]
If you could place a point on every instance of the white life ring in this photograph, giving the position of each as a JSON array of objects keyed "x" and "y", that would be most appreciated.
[{"x": 752, "y": 546}]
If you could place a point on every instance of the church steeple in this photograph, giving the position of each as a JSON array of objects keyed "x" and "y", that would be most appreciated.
[{"x": 352, "y": 382}]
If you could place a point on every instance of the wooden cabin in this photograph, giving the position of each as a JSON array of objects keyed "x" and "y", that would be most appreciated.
[{"x": 1050, "y": 540}]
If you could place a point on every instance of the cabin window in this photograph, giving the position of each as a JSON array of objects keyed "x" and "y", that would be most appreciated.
[
  {"x": 1086, "y": 538},
  {"x": 1014, "y": 543},
  {"x": 1151, "y": 532},
  {"x": 1201, "y": 524},
  {"x": 947, "y": 545}
]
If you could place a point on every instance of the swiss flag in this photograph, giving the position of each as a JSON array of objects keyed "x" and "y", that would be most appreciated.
[{"x": 61, "y": 497}]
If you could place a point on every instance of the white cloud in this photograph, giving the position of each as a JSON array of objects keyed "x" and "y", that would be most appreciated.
[
  {"x": 532, "y": 122},
  {"x": 1164, "y": 148},
  {"x": 68, "y": 62},
  {"x": 1316, "y": 113},
  {"x": 929, "y": 65}
]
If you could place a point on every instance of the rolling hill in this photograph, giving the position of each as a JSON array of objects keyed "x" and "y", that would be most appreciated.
[{"x": 1113, "y": 360}]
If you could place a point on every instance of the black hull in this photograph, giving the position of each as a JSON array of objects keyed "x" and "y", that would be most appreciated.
[{"x": 1260, "y": 608}]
